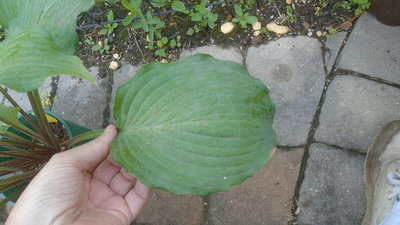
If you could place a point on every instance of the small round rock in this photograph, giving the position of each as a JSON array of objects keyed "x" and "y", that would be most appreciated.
[
  {"x": 318, "y": 33},
  {"x": 116, "y": 56},
  {"x": 256, "y": 26},
  {"x": 113, "y": 65},
  {"x": 256, "y": 33},
  {"x": 227, "y": 27},
  {"x": 277, "y": 29}
]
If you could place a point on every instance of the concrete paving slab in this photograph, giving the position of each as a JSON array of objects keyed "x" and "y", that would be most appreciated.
[
  {"x": 22, "y": 98},
  {"x": 164, "y": 208},
  {"x": 354, "y": 111},
  {"x": 121, "y": 76},
  {"x": 332, "y": 46},
  {"x": 231, "y": 54},
  {"x": 293, "y": 70},
  {"x": 263, "y": 199},
  {"x": 81, "y": 102},
  {"x": 373, "y": 49},
  {"x": 332, "y": 191}
]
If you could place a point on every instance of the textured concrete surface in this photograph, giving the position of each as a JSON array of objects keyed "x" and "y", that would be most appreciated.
[
  {"x": 293, "y": 70},
  {"x": 22, "y": 98},
  {"x": 332, "y": 191},
  {"x": 373, "y": 49},
  {"x": 354, "y": 110},
  {"x": 164, "y": 208},
  {"x": 266, "y": 198},
  {"x": 231, "y": 54},
  {"x": 332, "y": 46},
  {"x": 81, "y": 102}
]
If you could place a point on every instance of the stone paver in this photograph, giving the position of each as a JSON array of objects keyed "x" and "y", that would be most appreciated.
[
  {"x": 373, "y": 49},
  {"x": 164, "y": 208},
  {"x": 263, "y": 199},
  {"x": 292, "y": 69},
  {"x": 81, "y": 102},
  {"x": 332, "y": 47},
  {"x": 354, "y": 110},
  {"x": 22, "y": 98},
  {"x": 121, "y": 76},
  {"x": 231, "y": 54},
  {"x": 332, "y": 191}
]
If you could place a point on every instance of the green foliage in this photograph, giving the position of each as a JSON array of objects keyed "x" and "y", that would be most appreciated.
[
  {"x": 186, "y": 125},
  {"x": 152, "y": 26},
  {"x": 291, "y": 17},
  {"x": 179, "y": 6},
  {"x": 360, "y": 5},
  {"x": 203, "y": 18},
  {"x": 332, "y": 32},
  {"x": 24, "y": 61},
  {"x": 247, "y": 4},
  {"x": 108, "y": 29},
  {"x": 102, "y": 47},
  {"x": 243, "y": 18}
]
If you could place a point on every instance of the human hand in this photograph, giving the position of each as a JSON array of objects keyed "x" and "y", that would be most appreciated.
[{"x": 81, "y": 186}]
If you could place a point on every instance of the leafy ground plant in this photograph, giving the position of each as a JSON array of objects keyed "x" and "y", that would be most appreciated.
[
  {"x": 243, "y": 18},
  {"x": 182, "y": 126},
  {"x": 109, "y": 28}
]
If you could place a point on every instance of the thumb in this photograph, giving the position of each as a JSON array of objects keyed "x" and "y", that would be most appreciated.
[{"x": 91, "y": 154}]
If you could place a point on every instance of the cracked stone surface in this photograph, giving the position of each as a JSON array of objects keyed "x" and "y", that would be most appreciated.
[
  {"x": 332, "y": 191},
  {"x": 231, "y": 54},
  {"x": 81, "y": 102},
  {"x": 354, "y": 111},
  {"x": 332, "y": 46},
  {"x": 263, "y": 199},
  {"x": 373, "y": 49},
  {"x": 22, "y": 98},
  {"x": 293, "y": 70}
]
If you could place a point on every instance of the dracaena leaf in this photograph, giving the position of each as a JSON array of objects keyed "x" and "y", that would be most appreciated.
[{"x": 198, "y": 126}]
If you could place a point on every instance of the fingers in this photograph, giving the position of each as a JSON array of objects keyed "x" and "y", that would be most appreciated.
[
  {"x": 106, "y": 171},
  {"x": 91, "y": 154},
  {"x": 121, "y": 185},
  {"x": 136, "y": 198}
]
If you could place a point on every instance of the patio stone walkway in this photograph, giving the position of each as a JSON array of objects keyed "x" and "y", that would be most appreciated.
[{"x": 332, "y": 98}]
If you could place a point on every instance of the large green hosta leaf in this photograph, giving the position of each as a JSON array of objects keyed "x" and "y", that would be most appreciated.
[
  {"x": 199, "y": 125},
  {"x": 40, "y": 42},
  {"x": 8, "y": 10}
]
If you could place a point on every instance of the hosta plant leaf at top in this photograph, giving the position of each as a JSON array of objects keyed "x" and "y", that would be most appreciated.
[
  {"x": 40, "y": 42},
  {"x": 198, "y": 126}
]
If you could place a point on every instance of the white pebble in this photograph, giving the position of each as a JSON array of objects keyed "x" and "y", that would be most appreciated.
[
  {"x": 256, "y": 26},
  {"x": 256, "y": 33},
  {"x": 226, "y": 28},
  {"x": 116, "y": 56},
  {"x": 113, "y": 65}
]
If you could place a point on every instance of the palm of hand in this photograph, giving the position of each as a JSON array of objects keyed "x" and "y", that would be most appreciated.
[
  {"x": 82, "y": 186},
  {"x": 109, "y": 196}
]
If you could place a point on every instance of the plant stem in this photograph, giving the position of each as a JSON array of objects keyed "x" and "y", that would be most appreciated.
[
  {"x": 37, "y": 106},
  {"x": 82, "y": 137},
  {"x": 21, "y": 153},
  {"x": 23, "y": 113},
  {"x": 25, "y": 144}
]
